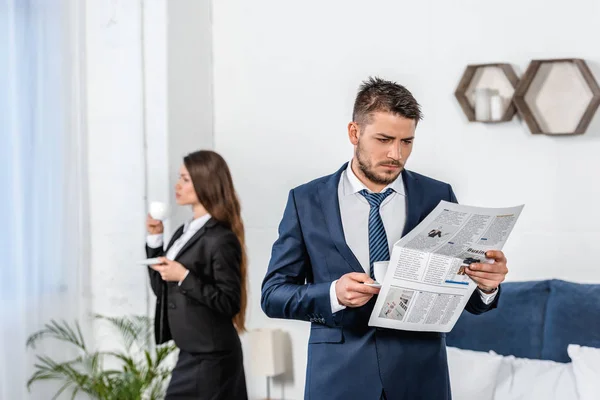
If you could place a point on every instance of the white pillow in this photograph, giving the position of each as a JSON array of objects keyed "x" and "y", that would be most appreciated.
[
  {"x": 526, "y": 379},
  {"x": 586, "y": 364},
  {"x": 472, "y": 373}
]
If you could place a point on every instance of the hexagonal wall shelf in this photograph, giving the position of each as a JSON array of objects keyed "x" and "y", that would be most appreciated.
[
  {"x": 557, "y": 97},
  {"x": 500, "y": 77}
]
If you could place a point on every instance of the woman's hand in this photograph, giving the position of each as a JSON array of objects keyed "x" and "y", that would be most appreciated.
[
  {"x": 154, "y": 226},
  {"x": 170, "y": 271}
]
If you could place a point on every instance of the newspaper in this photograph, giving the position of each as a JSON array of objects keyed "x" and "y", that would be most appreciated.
[{"x": 425, "y": 287}]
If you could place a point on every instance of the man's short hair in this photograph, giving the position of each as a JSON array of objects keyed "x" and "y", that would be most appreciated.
[{"x": 376, "y": 94}]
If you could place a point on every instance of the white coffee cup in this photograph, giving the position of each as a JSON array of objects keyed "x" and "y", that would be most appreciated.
[
  {"x": 159, "y": 210},
  {"x": 380, "y": 269}
]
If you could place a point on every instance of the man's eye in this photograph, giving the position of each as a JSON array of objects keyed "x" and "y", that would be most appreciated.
[
  {"x": 383, "y": 140},
  {"x": 407, "y": 142}
]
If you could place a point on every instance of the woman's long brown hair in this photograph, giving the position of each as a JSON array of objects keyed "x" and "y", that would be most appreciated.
[{"x": 214, "y": 187}]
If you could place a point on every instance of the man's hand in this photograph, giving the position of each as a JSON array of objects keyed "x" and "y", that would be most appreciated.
[
  {"x": 489, "y": 276},
  {"x": 351, "y": 292},
  {"x": 170, "y": 271}
]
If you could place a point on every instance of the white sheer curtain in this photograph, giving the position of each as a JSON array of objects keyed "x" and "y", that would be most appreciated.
[{"x": 43, "y": 230}]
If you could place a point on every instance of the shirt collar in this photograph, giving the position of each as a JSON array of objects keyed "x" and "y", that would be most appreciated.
[
  {"x": 353, "y": 185},
  {"x": 195, "y": 224}
]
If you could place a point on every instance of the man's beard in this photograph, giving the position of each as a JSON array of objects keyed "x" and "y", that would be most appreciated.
[{"x": 367, "y": 169}]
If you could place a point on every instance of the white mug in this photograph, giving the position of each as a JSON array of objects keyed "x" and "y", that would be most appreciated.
[
  {"x": 496, "y": 107},
  {"x": 380, "y": 269},
  {"x": 482, "y": 104},
  {"x": 159, "y": 210}
]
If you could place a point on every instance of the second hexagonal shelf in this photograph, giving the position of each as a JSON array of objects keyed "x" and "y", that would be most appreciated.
[
  {"x": 558, "y": 96},
  {"x": 479, "y": 84}
]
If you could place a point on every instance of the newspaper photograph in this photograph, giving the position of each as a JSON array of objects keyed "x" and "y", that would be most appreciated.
[{"x": 425, "y": 287}]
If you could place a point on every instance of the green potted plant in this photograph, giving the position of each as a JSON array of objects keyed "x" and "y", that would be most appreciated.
[{"x": 142, "y": 373}]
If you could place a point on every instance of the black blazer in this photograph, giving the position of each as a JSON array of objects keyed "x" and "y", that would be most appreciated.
[{"x": 198, "y": 314}]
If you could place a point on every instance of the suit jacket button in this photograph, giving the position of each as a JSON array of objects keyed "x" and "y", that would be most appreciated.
[
  {"x": 183, "y": 291},
  {"x": 172, "y": 305}
]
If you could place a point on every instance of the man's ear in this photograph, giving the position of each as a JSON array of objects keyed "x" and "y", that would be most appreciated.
[{"x": 353, "y": 133}]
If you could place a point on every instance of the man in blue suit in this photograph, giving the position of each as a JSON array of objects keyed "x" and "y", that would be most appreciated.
[{"x": 333, "y": 230}]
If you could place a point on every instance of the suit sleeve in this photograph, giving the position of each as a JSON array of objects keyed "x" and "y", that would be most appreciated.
[
  {"x": 285, "y": 292},
  {"x": 155, "y": 279},
  {"x": 475, "y": 304},
  {"x": 223, "y": 295}
]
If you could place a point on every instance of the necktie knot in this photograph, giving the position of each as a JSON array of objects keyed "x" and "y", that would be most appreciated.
[{"x": 375, "y": 199}]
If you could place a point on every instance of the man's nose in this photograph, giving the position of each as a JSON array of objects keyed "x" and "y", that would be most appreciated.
[{"x": 395, "y": 153}]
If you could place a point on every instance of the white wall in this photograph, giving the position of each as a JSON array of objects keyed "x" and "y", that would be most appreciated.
[
  {"x": 190, "y": 102},
  {"x": 149, "y": 102},
  {"x": 285, "y": 77},
  {"x": 114, "y": 92}
]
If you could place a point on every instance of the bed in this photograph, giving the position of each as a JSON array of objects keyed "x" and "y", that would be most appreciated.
[{"x": 542, "y": 342}]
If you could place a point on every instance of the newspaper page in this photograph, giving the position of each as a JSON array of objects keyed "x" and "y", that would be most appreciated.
[{"x": 425, "y": 287}]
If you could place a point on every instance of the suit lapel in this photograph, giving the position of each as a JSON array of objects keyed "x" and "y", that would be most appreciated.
[
  {"x": 210, "y": 223},
  {"x": 176, "y": 236},
  {"x": 414, "y": 200},
  {"x": 328, "y": 196}
]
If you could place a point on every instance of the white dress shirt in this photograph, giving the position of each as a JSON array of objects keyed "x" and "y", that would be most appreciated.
[
  {"x": 354, "y": 210},
  {"x": 189, "y": 229}
]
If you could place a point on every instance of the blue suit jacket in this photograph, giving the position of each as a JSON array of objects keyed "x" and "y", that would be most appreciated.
[{"x": 347, "y": 359}]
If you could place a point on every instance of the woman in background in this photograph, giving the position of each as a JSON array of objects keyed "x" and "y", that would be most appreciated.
[{"x": 200, "y": 286}]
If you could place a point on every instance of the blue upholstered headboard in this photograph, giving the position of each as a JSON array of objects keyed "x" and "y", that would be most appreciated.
[{"x": 534, "y": 319}]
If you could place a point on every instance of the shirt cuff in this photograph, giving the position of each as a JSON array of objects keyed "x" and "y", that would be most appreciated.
[
  {"x": 187, "y": 271},
  {"x": 154, "y": 241},
  {"x": 487, "y": 298},
  {"x": 335, "y": 304}
]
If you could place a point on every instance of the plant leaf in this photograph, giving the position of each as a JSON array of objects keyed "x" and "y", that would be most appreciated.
[
  {"x": 59, "y": 331},
  {"x": 142, "y": 374}
]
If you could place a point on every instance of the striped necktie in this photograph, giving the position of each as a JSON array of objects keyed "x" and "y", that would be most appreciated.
[{"x": 378, "y": 244}]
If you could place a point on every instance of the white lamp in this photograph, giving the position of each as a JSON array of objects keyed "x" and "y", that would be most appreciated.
[{"x": 267, "y": 354}]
